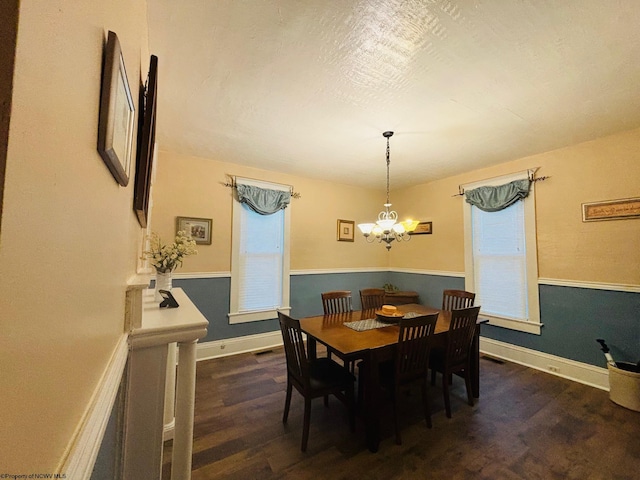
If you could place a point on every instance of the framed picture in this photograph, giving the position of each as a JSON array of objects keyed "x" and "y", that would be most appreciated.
[
  {"x": 146, "y": 141},
  {"x": 345, "y": 230},
  {"x": 116, "y": 121},
  {"x": 611, "y": 210},
  {"x": 200, "y": 228},
  {"x": 423, "y": 228}
]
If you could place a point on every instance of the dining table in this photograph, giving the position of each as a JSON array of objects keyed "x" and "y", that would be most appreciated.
[{"x": 359, "y": 336}]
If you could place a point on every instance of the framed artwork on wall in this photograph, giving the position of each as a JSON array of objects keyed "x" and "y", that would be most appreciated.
[
  {"x": 345, "y": 230},
  {"x": 423, "y": 228},
  {"x": 199, "y": 228},
  {"x": 116, "y": 121},
  {"x": 611, "y": 210},
  {"x": 146, "y": 141}
]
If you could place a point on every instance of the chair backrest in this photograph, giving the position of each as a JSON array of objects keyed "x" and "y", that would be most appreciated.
[
  {"x": 338, "y": 301},
  {"x": 297, "y": 363},
  {"x": 414, "y": 346},
  {"x": 461, "y": 331},
  {"x": 372, "y": 298},
  {"x": 456, "y": 299}
]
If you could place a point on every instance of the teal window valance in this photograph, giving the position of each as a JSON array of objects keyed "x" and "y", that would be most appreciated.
[
  {"x": 493, "y": 199},
  {"x": 263, "y": 200}
]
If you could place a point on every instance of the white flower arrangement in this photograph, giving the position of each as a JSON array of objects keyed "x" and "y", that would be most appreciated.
[{"x": 166, "y": 258}]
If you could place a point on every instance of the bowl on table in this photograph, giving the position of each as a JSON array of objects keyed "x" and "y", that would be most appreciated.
[{"x": 389, "y": 314}]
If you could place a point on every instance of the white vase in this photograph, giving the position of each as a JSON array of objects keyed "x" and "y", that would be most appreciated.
[{"x": 163, "y": 282}]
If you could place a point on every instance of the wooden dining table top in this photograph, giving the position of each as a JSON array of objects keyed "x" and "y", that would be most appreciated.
[{"x": 330, "y": 331}]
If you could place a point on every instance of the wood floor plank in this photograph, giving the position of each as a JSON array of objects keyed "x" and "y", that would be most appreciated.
[{"x": 526, "y": 425}]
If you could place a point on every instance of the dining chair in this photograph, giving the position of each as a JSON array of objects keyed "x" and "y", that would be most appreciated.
[
  {"x": 372, "y": 298},
  {"x": 338, "y": 301},
  {"x": 456, "y": 355},
  {"x": 455, "y": 299},
  {"x": 410, "y": 364},
  {"x": 312, "y": 378}
]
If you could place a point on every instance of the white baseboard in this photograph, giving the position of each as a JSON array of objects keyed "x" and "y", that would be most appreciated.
[
  {"x": 233, "y": 346},
  {"x": 562, "y": 367},
  {"x": 82, "y": 451}
]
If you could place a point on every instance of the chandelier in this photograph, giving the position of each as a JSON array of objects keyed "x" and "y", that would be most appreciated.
[{"x": 387, "y": 228}]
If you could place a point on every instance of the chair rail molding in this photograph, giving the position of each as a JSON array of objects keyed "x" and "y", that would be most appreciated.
[{"x": 615, "y": 287}]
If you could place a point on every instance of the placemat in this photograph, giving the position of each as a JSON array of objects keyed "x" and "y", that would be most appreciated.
[{"x": 366, "y": 324}]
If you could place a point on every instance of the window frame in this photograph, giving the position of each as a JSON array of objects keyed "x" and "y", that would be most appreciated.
[
  {"x": 236, "y": 316},
  {"x": 533, "y": 324}
]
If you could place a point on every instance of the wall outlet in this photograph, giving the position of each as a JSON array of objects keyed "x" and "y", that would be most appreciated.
[{"x": 553, "y": 368}]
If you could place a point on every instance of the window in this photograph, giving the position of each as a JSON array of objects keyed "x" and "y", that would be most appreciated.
[
  {"x": 501, "y": 264},
  {"x": 259, "y": 261}
]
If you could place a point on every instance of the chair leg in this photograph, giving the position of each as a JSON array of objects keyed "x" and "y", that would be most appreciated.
[
  {"x": 307, "y": 421},
  {"x": 362, "y": 375},
  {"x": 433, "y": 376},
  {"x": 287, "y": 403},
  {"x": 467, "y": 382},
  {"x": 445, "y": 391},
  {"x": 396, "y": 420},
  {"x": 351, "y": 400},
  {"x": 426, "y": 402}
]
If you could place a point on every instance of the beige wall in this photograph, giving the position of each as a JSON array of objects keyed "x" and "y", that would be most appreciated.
[
  {"x": 568, "y": 249},
  {"x": 192, "y": 187},
  {"x": 69, "y": 234}
]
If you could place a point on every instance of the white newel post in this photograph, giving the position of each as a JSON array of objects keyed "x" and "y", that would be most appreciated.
[
  {"x": 146, "y": 388},
  {"x": 185, "y": 402}
]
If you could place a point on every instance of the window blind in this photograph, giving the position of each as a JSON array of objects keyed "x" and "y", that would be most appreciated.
[
  {"x": 261, "y": 260},
  {"x": 499, "y": 257}
]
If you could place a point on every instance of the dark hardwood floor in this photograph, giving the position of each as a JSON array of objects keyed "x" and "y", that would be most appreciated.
[{"x": 526, "y": 425}]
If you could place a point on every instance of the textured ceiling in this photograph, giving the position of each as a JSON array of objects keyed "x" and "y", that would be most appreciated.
[{"x": 308, "y": 86}]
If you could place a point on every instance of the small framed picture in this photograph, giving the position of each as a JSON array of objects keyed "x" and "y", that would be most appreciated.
[
  {"x": 115, "y": 126},
  {"x": 423, "y": 228},
  {"x": 611, "y": 210},
  {"x": 345, "y": 230},
  {"x": 200, "y": 228}
]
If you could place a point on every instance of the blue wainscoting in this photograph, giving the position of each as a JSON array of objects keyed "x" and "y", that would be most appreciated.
[
  {"x": 573, "y": 317},
  {"x": 211, "y": 296},
  {"x": 306, "y": 289},
  {"x": 428, "y": 287}
]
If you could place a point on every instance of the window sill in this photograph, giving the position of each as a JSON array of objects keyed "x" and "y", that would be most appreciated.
[
  {"x": 520, "y": 325},
  {"x": 256, "y": 316}
]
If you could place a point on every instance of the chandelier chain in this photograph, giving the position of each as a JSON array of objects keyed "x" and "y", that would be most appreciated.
[{"x": 388, "y": 162}]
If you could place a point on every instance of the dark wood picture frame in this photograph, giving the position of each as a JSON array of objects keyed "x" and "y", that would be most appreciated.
[
  {"x": 346, "y": 230},
  {"x": 199, "y": 228},
  {"x": 146, "y": 141},
  {"x": 423, "y": 228},
  {"x": 117, "y": 113}
]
